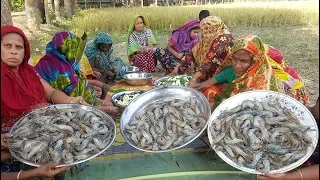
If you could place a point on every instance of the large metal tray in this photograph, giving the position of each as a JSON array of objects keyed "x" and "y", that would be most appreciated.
[
  {"x": 112, "y": 126},
  {"x": 179, "y": 92},
  {"x": 303, "y": 114}
]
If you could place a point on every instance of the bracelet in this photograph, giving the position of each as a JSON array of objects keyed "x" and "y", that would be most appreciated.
[
  {"x": 175, "y": 68},
  {"x": 69, "y": 99},
  {"x": 193, "y": 79},
  {"x": 19, "y": 174},
  {"x": 300, "y": 174}
]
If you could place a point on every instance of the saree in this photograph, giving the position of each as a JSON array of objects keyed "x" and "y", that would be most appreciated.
[
  {"x": 181, "y": 42},
  {"x": 213, "y": 47},
  {"x": 259, "y": 76},
  {"x": 22, "y": 91},
  {"x": 294, "y": 85},
  {"x": 104, "y": 60},
  {"x": 60, "y": 67},
  {"x": 136, "y": 40},
  {"x": 84, "y": 63}
]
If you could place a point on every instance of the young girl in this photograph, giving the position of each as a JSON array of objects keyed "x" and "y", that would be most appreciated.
[
  {"x": 140, "y": 43},
  {"x": 180, "y": 43}
]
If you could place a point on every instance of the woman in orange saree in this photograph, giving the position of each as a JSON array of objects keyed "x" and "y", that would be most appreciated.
[{"x": 260, "y": 74}]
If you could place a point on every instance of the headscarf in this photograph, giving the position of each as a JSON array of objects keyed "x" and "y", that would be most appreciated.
[
  {"x": 19, "y": 96},
  {"x": 181, "y": 40},
  {"x": 60, "y": 66},
  {"x": 136, "y": 39},
  {"x": 84, "y": 63},
  {"x": 100, "y": 58},
  {"x": 259, "y": 75},
  {"x": 211, "y": 28}
]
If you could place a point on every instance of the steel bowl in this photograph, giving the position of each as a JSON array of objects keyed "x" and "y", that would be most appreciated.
[
  {"x": 156, "y": 82},
  {"x": 138, "y": 79},
  {"x": 120, "y": 94},
  {"x": 177, "y": 92},
  {"x": 132, "y": 69},
  {"x": 299, "y": 110},
  {"x": 56, "y": 107}
]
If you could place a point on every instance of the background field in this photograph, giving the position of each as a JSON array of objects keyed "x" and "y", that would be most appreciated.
[{"x": 292, "y": 27}]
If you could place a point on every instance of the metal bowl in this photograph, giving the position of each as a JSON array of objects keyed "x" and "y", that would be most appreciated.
[
  {"x": 120, "y": 94},
  {"x": 304, "y": 115},
  {"x": 56, "y": 107},
  {"x": 132, "y": 69},
  {"x": 156, "y": 82},
  {"x": 138, "y": 79},
  {"x": 178, "y": 92}
]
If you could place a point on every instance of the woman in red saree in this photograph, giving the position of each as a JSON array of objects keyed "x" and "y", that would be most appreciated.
[{"x": 22, "y": 90}]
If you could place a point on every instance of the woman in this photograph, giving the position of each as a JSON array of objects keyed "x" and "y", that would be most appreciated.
[
  {"x": 60, "y": 68},
  {"x": 246, "y": 68},
  {"x": 100, "y": 89},
  {"x": 100, "y": 54},
  {"x": 180, "y": 43},
  {"x": 22, "y": 90},
  {"x": 213, "y": 47},
  {"x": 310, "y": 170},
  {"x": 140, "y": 43}
]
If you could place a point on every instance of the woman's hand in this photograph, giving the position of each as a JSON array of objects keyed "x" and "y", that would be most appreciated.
[
  {"x": 174, "y": 72},
  {"x": 96, "y": 74},
  {"x": 180, "y": 55},
  {"x": 192, "y": 83},
  {"x": 4, "y": 137},
  {"x": 97, "y": 91},
  {"x": 49, "y": 170},
  {"x": 110, "y": 74},
  {"x": 5, "y": 155},
  {"x": 268, "y": 176},
  {"x": 202, "y": 86},
  {"x": 78, "y": 100}
]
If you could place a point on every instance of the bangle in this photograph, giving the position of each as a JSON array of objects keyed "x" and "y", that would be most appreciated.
[
  {"x": 69, "y": 99},
  {"x": 175, "y": 68},
  {"x": 19, "y": 174},
  {"x": 193, "y": 79},
  {"x": 300, "y": 174}
]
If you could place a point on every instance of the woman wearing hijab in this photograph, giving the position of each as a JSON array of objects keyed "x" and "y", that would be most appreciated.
[
  {"x": 246, "y": 68},
  {"x": 60, "y": 68},
  {"x": 23, "y": 91},
  {"x": 183, "y": 39},
  {"x": 213, "y": 47},
  {"x": 100, "y": 54},
  {"x": 140, "y": 43}
]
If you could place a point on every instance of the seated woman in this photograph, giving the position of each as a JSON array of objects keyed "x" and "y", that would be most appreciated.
[
  {"x": 140, "y": 43},
  {"x": 180, "y": 43},
  {"x": 213, "y": 47},
  {"x": 100, "y": 89},
  {"x": 246, "y": 68},
  {"x": 60, "y": 68},
  {"x": 100, "y": 54},
  {"x": 23, "y": 91}
]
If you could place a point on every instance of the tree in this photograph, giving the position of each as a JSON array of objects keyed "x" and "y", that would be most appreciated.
[
  {"x": 68, "y": 8},
  {"x": 74, "y": 4},
  {"x": 5, "y": 13},
  {"x": 48, "y": 11},
  {"x": 57, "y": 9},
  {"x": 39, "y": 4},
  {"x": 33, "y": 15}
]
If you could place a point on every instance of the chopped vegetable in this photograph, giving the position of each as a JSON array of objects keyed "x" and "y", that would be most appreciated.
[
  {"x": 181, "y": 80},
  {"x": 126, "y": 99}
]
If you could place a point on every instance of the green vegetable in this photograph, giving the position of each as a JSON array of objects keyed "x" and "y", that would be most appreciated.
[{"x": 117, "y": 90}]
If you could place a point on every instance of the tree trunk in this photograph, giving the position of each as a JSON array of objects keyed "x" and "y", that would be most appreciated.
[
  {"x": 41, "y": 11},
  {"x": 33, "y": 15},
  {"x": 74, "y": 4},
  {"x": 6, "y": 18},
  {"x": 57, "y": 9},
  {"x": 141, "y": 3},
  {"x": 68, "y": 8},
  {"x": 47, "y": 11}
]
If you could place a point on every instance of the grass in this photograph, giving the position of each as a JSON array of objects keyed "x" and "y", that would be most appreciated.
[{"x": 259, "y": 14}]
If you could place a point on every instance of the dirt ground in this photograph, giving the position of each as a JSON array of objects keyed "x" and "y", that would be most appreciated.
[{"x": 300, "y": 46}]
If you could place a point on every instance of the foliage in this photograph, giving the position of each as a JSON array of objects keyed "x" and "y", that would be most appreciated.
[
  {"x": 258, "y": 14},
  {"x": 17, "y": 5}
]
